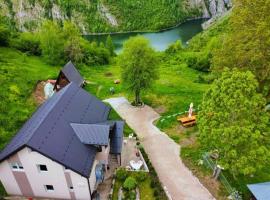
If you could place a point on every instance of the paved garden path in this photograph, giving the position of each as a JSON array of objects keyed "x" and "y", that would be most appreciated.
[{"x": 163, "y": 152}]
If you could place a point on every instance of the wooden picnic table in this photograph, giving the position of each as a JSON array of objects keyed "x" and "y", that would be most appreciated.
[{"x": 187, "y": 121}]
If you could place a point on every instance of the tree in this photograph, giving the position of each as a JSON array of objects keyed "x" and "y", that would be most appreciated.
[
  {"x": 247, "y": 44},
  {"x": 72, "y": 46},
  {"x": 109, "y": 45},
  {"x": 232, "y": 121},
  {"x": 139, "y": 65},
  {"x": 51, "y": 42}
]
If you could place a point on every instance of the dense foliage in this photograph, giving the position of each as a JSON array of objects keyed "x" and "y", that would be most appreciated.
[
  {"x": 247, "y": 44},
  {"x": 130, "y": 183},
  {"x": 27, "y": 42},
  {"x": 232, "y": 121},
  {"x": 139, "y": 64},
  {"x": 90, "y": 16},
  {"x": 149, "y": 15},
  {"x": 57, "y": 44},
  {"x": 198, "y": 54}
]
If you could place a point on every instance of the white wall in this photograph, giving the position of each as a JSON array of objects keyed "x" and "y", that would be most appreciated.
[
  {"x": 8, "y": 179},
  {"x": 54, "y": 176},
  {"x": 80, "y": 186},
  {"x": 92, "y": 178}
]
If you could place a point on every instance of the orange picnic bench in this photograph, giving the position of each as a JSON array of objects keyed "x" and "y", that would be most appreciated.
[{"x": 187, "y": 121}]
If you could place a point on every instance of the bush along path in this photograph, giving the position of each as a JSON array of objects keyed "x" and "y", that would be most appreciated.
[{"x": 162, "y": 151}]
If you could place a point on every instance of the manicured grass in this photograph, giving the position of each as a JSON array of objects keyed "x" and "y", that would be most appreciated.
[{"x": 176, "y": 88}]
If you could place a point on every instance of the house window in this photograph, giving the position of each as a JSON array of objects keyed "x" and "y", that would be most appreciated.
[
  {"x": 42, "y": 168},
  {"x": 16, "y": 166},
  {"x": 49, "y": 188}
]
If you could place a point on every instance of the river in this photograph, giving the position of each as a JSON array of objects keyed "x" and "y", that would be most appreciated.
[{"x": 159, "y": 40}]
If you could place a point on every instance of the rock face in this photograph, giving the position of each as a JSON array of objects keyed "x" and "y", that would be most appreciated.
[
  {"x": 29, "y": 14},
  {"x": 218, "y": 7},
  {"x": 213, "y": 9}
]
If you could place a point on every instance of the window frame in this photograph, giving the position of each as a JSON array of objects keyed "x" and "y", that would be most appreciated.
[
  {"x": 16, "y": 166},
  {"x": 40, "y": 170},
  {"x": 49, "y": 190}
]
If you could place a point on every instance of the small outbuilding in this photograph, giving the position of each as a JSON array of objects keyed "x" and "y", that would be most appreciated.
[
  {"x": 260, "y": 191},
  {"x": 68, "y": 74}
]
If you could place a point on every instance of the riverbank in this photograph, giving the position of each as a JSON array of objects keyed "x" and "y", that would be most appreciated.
[
  {"x": 149, "y": 31},
  {"x": 161, "y": 40}
]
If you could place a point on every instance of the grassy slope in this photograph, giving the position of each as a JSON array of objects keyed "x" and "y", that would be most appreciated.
[
  {"x": 18, "y": 77},
  {"x": 175, "y": 89}
]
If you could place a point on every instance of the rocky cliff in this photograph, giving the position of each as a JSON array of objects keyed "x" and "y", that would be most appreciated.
[
  {"x": 212, "y": 9},
  {"x": 29, "y": 14}
]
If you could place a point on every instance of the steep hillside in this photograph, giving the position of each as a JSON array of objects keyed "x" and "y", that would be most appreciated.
[{"x": 94, "y": 16}]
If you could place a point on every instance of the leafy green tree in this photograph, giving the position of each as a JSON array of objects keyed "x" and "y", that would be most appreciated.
[
  {"x": 51, "y": 42},
  {"x": 72, "y": 47},
  {"x": 109, "y": 45},
  {"x": 247, "y": 44},
  {"x": 232, "y": 121},
  {"x": 139, "y": 65}
]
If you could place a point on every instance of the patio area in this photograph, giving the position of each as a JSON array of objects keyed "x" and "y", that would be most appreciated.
[
  {"x": 132, "y": 158},
  {"x": 130, "y": 153}
]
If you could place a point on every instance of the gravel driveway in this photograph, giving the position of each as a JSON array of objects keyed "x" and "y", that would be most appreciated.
[{"x": 163, "y": 152}]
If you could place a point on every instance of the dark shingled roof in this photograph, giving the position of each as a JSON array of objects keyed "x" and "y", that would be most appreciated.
[
  {"x": 92, "y": 133},
  {"x": 72, "y": 74},
  {"x": 117, "y": 138},
  {"x": 49, "y": 132}
]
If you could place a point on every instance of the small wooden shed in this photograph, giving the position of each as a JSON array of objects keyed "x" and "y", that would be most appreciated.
[{"x": 68, "y": 74}]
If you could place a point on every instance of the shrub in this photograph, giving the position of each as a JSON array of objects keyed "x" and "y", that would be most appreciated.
[
  {"x": 94, "y": 54},
  {"x": 198, "y": 60},
  {"x": 27, "y": 42},
  {"x": 52, "y": 42},
  {"x": 140, "y": 176},
  {"x": 4, "y": 35},
  {"x": 121, "y": 174},
  {"x": 130, "y": 183},
  {"x": 156, "y": 193},
  {"x": 130, "y": 195},
  {"x": 175, "y": 47}
]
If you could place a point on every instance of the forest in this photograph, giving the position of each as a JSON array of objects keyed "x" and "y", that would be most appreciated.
[{"x": 91, "y": 16}]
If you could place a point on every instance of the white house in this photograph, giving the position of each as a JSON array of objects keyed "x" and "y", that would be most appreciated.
[{"x": 62, "y": 151}]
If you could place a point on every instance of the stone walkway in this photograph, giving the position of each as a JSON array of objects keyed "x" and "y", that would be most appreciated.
[{"x": 181, "y": 184}]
